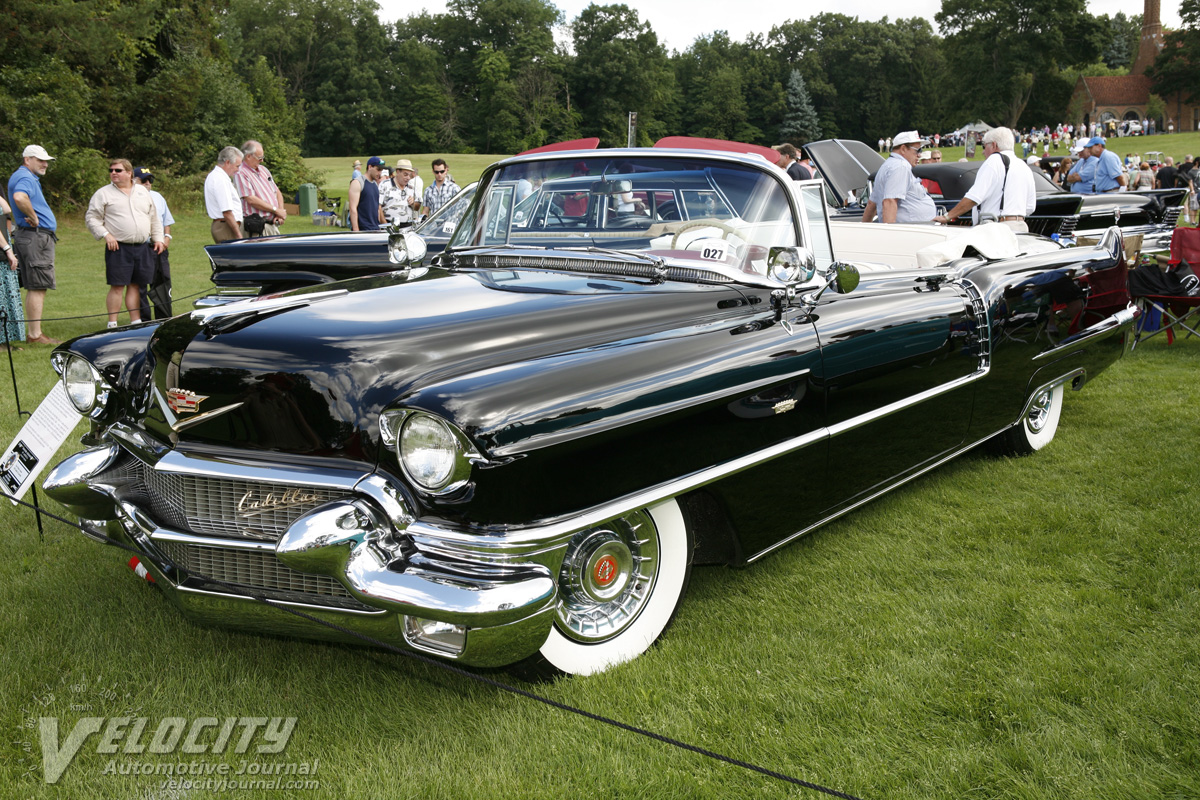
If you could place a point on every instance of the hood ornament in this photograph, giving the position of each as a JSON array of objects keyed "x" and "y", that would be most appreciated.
[{"x": 182, "y": 401}]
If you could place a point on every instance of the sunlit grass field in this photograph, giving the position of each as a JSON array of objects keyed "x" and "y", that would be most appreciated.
[{"x": 1000, "y": 628}]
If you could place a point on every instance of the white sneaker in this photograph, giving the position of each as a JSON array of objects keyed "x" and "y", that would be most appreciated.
[{"x": 112, "y": 325}]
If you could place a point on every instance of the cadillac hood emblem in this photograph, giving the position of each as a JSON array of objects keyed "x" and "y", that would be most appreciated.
[{"x": 182, "y": 401}]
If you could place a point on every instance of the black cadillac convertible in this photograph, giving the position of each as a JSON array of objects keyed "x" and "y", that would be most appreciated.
[{"x": 518, "y": 452}]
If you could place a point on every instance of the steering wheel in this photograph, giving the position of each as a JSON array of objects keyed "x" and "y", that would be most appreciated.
[{"x": 729, "y": 231}]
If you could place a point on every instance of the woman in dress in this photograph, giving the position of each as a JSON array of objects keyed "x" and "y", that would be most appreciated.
[{"x": 12, "y": 327}]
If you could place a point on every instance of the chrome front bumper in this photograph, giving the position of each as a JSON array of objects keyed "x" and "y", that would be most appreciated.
[{"x": 349, "y": 559}]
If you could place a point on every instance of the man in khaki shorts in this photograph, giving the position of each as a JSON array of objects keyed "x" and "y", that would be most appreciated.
[{"x": 34, "y": 237}]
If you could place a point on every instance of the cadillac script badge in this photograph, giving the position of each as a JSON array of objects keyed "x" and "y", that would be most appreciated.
[{"x": 182, "y": 401}]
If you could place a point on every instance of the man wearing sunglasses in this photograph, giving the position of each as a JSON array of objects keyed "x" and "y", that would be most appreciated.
[
  {"x": 898, "y": 195},
  {"x": 438, "y": 193},
  {"x": 124, "y": 216}
]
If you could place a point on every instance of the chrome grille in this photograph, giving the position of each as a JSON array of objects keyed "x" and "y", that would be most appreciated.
[
  {"x": 210, "y": 505},
  {"x": 1067, "y": 228},
  {"x": 259, "y": 571},
  {"x": 1172, "y": 216}
]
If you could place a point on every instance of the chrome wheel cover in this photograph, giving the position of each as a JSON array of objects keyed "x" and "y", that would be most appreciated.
[
  {"x": 1039, "y": 411},
  {"x": 607, "y": 577}
]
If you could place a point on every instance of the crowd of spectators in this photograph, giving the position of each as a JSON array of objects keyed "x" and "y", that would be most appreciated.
[{"x": 396, "y": 196}]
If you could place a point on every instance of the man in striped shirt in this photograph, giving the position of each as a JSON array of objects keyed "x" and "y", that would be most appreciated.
[{"x": 260, "y": 196}]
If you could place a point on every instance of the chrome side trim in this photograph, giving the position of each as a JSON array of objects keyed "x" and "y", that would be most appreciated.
[
  {"x": 533, "y": 540},
  {"x": 908, "y": 402},
  {"x": 523, "y": 542}
]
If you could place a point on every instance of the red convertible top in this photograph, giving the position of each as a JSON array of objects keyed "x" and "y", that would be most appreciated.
[{"x": 698, "y": 143}]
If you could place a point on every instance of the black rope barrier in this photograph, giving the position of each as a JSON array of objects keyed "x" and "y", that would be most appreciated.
[
  {"x": 105, "y": 313},
  {"x": 451, "y": 668}
]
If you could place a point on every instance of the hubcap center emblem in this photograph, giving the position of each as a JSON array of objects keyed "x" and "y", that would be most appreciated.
[{"x": 605, "y": 571}]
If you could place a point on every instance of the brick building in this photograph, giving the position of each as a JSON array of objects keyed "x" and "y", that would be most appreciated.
[{"x": 1125, "y": 97}]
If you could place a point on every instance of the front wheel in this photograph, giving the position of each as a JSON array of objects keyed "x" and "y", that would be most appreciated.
[
  {"x": 1038, "y": 426},
  {"x": 619, "y": 587}
]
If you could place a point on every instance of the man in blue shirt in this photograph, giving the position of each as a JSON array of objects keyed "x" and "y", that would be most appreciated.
[
  {"x": 34, "y": 237},
  {"x": 1109, "y": 175},
  {"x": 1081, "y": 178}
]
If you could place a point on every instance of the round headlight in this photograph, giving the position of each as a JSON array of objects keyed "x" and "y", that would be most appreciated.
[
  {"x": 428, "y": 450},
  {"x": 83, "y": 385}
]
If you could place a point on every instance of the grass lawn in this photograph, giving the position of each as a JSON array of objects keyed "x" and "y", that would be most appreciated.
[{"x": 1000, "y": 628}]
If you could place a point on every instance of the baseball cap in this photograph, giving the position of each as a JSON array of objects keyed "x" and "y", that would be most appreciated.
[
  {"x": 375, "y": 161},
  {"x": 907, "y": 137},
  {"x": 37, "y": 151},
  {"x": 1033, "y": 160},
  {"x": 1095, "y": 140},
  {"x": 141, "y": 174},
  {"x": 926, "y": 155},
  {"x": 404, "y": 163}
]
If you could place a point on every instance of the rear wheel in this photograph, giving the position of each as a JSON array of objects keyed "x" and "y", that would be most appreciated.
[
  {"x": 619, "y": 587},
  {"x": 1038, "y": 426}
]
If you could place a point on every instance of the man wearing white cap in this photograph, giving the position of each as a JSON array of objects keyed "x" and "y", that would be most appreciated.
[
  {"x": 898, "y": 195},
  {"x": 1004, "y": 190},
  {"x": 34, "y": 237}
]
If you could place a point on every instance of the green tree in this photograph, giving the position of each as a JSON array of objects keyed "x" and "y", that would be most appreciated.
[
  {"x": 1178, "y": 64},
  {"x": 619, "y": 67},
  {"x": 1000, "y": 53},
  {"x": 801, "y": 124},
  {"x": 1124, "y": 34}
]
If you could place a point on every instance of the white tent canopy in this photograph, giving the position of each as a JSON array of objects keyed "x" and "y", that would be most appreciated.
[{"x": 979, "y": 126}]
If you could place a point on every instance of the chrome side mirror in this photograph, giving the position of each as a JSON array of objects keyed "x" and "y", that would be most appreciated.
[
  {"x": 406, "y": 249},
  {"x": 791, "y": 264},
  {"x": 845, "y": 277},
  {"x": 842, "y": 276}
]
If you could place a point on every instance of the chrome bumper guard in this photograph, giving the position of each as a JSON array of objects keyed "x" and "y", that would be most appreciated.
[{"x": 348, "y": 560}]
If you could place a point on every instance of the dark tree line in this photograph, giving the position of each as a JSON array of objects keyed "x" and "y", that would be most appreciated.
[{"x": 168, "y": 82}]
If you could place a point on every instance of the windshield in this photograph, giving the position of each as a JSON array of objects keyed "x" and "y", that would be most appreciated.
[
  {"x": 443, "y": 221},
  {"x": 687, "y": 207}
]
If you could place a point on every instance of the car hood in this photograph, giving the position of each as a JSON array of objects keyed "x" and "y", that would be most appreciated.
[
  {"x": 312, "y": 379},
  {"x": 845, "y": 164}
]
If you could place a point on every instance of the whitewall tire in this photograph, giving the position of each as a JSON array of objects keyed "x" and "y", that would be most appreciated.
[
  {"x": 620, "y": 586},
  {"x": 1039, "y": 424}
]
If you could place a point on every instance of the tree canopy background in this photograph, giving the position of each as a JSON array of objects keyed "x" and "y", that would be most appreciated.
[{"x": 167, "y": 83}]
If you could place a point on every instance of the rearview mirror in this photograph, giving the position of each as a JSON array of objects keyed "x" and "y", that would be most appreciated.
[{"x": 611, "y": 187}]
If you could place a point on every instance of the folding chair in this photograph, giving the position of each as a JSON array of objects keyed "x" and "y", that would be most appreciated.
[{"x": 1175, "y": 293}]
